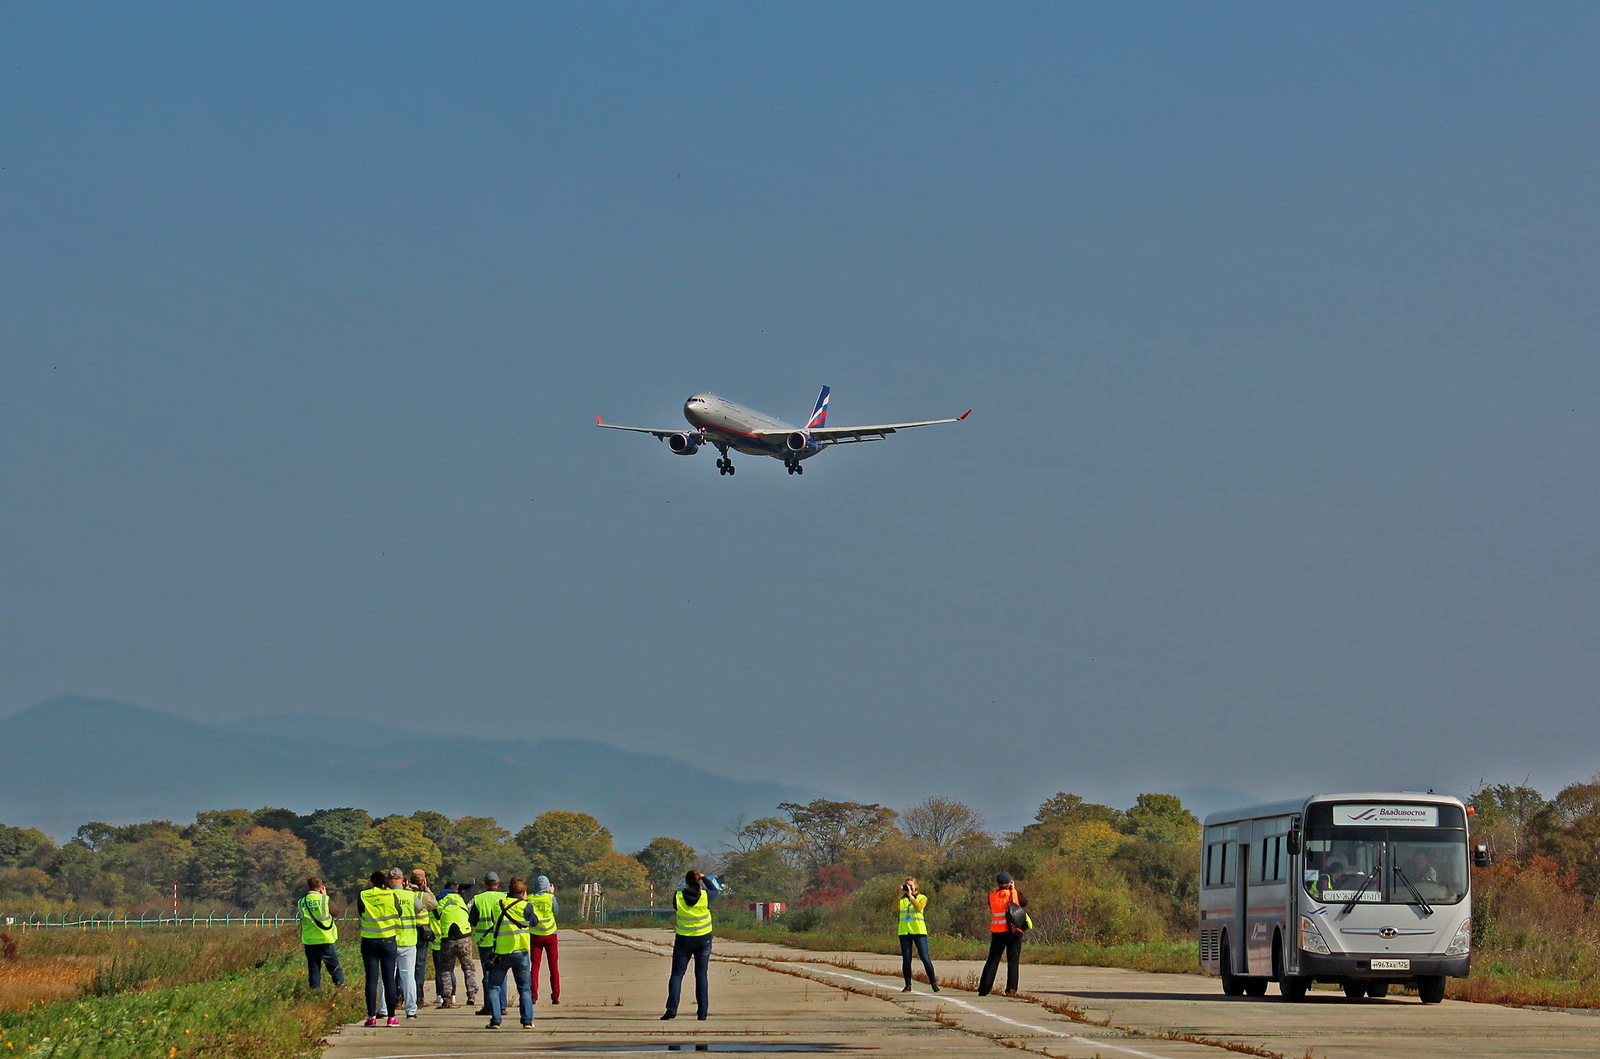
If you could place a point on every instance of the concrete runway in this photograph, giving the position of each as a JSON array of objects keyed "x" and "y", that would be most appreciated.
[{"x": 767, "y": 999}]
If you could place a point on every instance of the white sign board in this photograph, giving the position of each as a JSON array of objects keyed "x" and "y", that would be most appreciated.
[{"x": 1386, "y": 815}]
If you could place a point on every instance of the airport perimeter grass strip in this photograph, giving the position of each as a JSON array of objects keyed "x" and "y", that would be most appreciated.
[{"x": 262, "y": 1010}]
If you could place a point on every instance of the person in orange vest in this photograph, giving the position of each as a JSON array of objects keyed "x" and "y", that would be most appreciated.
[{"x": 1005, "y": 935}]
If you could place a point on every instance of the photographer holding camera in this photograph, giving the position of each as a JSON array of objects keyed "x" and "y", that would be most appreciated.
[{"x": 914, "y": 932}]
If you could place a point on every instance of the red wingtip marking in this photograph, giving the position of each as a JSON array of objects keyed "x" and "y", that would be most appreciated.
[
  {"x": 963, "y": 415},
  {"x": 597, "y": 421}
]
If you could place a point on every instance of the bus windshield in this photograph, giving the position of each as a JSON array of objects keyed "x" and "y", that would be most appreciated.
[{"x": 1374, "y": 864}]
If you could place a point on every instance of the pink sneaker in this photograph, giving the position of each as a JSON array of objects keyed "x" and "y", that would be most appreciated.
[
  {"x": 393, "y": 1021},
  {"x": 372, "y": 1021}
]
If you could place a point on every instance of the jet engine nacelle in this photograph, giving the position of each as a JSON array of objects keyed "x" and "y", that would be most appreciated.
[
  {"x": 799, "y": 441},
  {"x": 684, "y": 444}
]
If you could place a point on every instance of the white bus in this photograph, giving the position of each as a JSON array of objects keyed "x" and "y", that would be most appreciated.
[{"x": 1363, "y": 890}]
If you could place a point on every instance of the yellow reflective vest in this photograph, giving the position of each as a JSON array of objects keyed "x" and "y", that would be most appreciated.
[
  {"x": 451, "y": 912},
  {"x": 380, "y": 913},
  {"x": 316, "y": 920},
  {"x": 510, "y": 930},
  {"x": 487, "y": 904},
  {"x": 410, "y": 917},
  {"x": 912, "y": 920},
  {"x": 543, "y": 907},
  {"x": 694, "y": 920}
]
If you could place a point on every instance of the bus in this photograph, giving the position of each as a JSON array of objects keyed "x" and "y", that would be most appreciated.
[{"x": 1363, "y": 891}]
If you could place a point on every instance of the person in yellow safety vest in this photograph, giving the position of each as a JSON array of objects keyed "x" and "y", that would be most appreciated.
[
  {"x": 380, "y": 926},
  {"x": 914, "y": 932},
  {"x": 406, "y": 940},
  {"x": 318, "y": 933},
  {"x": 452, "y": 944},
  {"x": 692, "y": 940},
  {"x": 511, "y": 925},
  {"x": 481, "y": 915},
  {"x": 418, "y": 884},
  {"x": 543, "y": 935},
  {"x": 1005, "y": 936}
]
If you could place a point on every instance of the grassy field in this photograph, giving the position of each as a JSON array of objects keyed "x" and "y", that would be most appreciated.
[{"x": 165, "y": 993}]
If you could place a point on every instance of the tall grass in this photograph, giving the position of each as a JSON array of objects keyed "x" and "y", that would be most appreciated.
[{"x": 175, "y": 994}]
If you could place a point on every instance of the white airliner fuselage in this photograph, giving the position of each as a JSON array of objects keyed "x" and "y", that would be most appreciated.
[{"x": 725, "y": 425}]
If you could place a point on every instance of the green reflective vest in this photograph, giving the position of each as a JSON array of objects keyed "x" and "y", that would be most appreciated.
[
  {"x": 405, "y": 902},
  {"x": 543, "y": 907},
  {"x": 452, "y": 912},
  {"x": 912, "y": 920},
  {"x": 380, "y": 914},
  {"x": 316, "y": 920},
  {"x": 487, "y": 904},
  {"x": 693, "y": 920},
  {"x": 510, "y": 932}
]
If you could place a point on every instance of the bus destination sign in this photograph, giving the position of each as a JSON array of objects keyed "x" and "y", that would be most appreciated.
[{"x": 1386, "y": 815}]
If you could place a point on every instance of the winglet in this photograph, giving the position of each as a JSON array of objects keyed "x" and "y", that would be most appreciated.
[
  {"x": 963, "y": 415},
  {"x": 597, "y": 422}
]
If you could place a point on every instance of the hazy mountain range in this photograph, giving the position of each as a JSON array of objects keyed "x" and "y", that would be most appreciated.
[{"x": 71, "y": 759}]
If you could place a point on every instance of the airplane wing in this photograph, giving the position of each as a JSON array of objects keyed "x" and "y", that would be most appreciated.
[
  {"x": 877, "y": 432},
  {"x": 659, "y": 434}
]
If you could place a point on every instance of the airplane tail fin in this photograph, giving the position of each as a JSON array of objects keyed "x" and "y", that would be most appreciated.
[{"x": 819, "y": 414}]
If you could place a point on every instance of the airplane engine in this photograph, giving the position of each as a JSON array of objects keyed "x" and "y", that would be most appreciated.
[
  {"x": 799, "y": 441},
  {"x": 684, "y": 444}
]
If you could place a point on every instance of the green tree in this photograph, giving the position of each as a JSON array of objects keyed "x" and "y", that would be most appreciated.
[
  {"x": 829, "y": 832},
  {"x": 330, "y": 836},
  {"x": 1162, "y": 816},
  {"x": 616, "y": 871},
  {"x": 469, "y": 841},
  {"x": 943, "y": 829},
  {"x": 665, "y": 860},
  {"x": 277, "y": 819},
  {"x": 20, "y": 844},
  {"x": 559, "y": 844},
  {"x": 273, "y": 868},
  {"x": 96, "y": 835},
  {"x": 396, "y": 842},
  {"x": 764, "y": 873}
]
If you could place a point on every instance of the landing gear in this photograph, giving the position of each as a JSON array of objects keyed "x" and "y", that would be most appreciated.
[
  {"x": 724, "y": 464},
  {"x": 793, "y": 467}
]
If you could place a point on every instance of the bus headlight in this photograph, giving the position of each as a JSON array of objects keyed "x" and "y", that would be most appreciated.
[
  {"x": 1463, "y": 939},
  {"x": 1311, "y": 937}
]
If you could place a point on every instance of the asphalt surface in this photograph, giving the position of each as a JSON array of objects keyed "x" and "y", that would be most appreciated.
[{"x": 770, "y": 1000}]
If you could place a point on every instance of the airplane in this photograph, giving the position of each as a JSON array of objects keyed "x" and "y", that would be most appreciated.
[{"x": 725, "y": 425}]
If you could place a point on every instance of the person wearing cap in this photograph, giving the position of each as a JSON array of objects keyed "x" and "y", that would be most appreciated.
[
  {"x": 511, "y": 924},
  {"x": 453, "y": 944},
  {"x": 380, "y": 924},
  {"x": 1004, "y": 936},
  {"x": 409, "y": 907},
  {"x": 481, "y": 915},
  {"x": 418, "y": 885},
  {"x": 542, "y": 908}
]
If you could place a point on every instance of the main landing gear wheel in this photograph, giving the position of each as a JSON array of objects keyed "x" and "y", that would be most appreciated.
[
  {"x": 793, "y": 467},
  {"x": 724, "y": 466}
]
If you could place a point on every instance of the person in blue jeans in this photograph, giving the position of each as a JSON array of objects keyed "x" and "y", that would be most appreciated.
[
  {"x": 512, "y": 924},
  {"x": 692, "y": 940}
]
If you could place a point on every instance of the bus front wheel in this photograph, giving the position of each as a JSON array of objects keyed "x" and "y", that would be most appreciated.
[
  {"x": 1293, "y": 987},
  {"x": 1430, "y": 988}
]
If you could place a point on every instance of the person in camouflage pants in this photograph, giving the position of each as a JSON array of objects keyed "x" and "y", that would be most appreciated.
[{"x": 453, "y": 936}]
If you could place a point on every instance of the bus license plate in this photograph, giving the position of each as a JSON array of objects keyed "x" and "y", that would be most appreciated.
[{"x": 1391, "y": 965}]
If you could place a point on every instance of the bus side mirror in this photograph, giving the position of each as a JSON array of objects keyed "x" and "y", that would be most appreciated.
[
  {"x": 1294, "y": 843},
  {"x": 1480, "y": 856}
]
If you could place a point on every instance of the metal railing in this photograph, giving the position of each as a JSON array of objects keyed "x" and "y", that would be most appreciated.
[{"x": 107, "y": 921}]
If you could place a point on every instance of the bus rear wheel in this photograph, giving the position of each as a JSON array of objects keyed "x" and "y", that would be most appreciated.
[
  {"x": 1232, "y": 984},
  {"x": 1430, "y": 988}
]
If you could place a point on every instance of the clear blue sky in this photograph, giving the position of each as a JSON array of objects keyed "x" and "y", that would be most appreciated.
[{"x": 1279, "y": 323}]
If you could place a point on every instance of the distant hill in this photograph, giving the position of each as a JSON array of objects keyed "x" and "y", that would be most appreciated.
[{"x": 72, "y": 759}]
